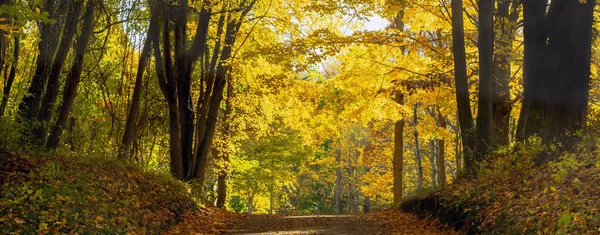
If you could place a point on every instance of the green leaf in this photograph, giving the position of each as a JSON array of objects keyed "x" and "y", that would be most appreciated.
[{"x": 565, "y": 219}]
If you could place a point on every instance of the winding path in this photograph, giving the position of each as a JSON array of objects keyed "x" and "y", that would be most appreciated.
[{"x": 353, "y": 224}]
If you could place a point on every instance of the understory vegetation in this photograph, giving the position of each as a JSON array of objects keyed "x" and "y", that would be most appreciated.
[{"x": 70, "y": 194}]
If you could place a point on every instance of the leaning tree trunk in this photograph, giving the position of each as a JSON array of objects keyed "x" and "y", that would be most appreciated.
[
  {"x": 208, "y": 120},
  {"x": 75, "y": 75},
  {"x": 11, "y": 75},
  {"x": 463, "y": 101},
  {"x": 137, "y": 90},
  {"x": 47, "y": 109}
]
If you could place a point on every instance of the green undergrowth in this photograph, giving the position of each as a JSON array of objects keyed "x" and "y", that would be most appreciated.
[
  {"x": 86, "y": 195},
  {"x": 512, "y": 196}
]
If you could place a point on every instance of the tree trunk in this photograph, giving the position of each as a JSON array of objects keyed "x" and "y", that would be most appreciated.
[
  {"x": 47, "y": 109},
  {"x": 49, "y": 34},
  {"x": 433, "y": 162},
  {"x": 11, "y": 76},
  {"x": 486, "y": 84},
  {"x": 74, "y": 76},
  {"x": 567, "y": 73},
  {"x": 418, "y": 152},
  {"x": 442, "y": 152},
  {"x": 502, "y": 105},
  {"x": 137, "y": 90},
  {"x": 462, "y": 84},
  {"x": 534, "y": 42},
  {"x": 227, "y": 132},
  {"x": 398, "y": 159},
  {"x": 557, "y": 88},
  {"x": 337, "y": 193}
]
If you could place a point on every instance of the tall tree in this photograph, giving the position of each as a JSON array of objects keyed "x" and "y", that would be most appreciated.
[
  {"x": 507, "y": 14},
  {"x": 563, "y": 52},
  {"x": 49, "y": 39},
  {"x": 124, "y": 147},
  {"x": 51, "y": 94},
  {"x": 227, "y": 133},
  {"x": 465, "y": 117},
  {"x": 398, "y": 159},
  {"x": 486, "y": 85},
  {"x": 74, "y": 76},
  {"x": 11, "y": 75}
]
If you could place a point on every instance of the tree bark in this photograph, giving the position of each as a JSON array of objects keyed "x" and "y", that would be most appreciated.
[
  {"x": 534, "y": 43},
  {"x": 137, "y": 90},
  {"x": 398, "y": 159},
  {"x": 11, "y": 76},
  {"x": 74, "y": 76},
  {"x": 557, "y": 88},
  {"x": 462, "y": 85},
  {"x": 486, "y": 85},
  {"x": 418, "y": 152},
  {"x": 227, "y": 132},
  {"x": 442, "y": 152},
  {"x": 506, "y": 20},
  {"x": 47, "y": 109},
  {"x": 49, "y": 34},
  {"x": 166, "y": 82},
  {"x": 433, "y": 162},
  {"x": 337, "y": 193},
  {"x": 567, "y": 73}
]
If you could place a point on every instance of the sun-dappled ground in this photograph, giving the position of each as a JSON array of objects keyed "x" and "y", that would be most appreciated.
[{"x": 387, "y": 222}]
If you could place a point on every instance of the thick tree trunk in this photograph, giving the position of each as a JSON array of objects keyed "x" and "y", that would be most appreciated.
[
  {"x": 398, "y": 159},
  {"x": 74, "y": 76},
  {"x": 530, "y": 119},
  {"x": 137, "y": 90},
  {"x": 166, "y": 82},
  {"x": 47, "y": 109},
  {"x": 486, "y": 85},
  {"x": 567, "y": 73},
  {"x": 462, "y": 85},
  {"x": 557, "y": 87},
  {"x": 11, "y": 75},
  {"x": 49, "y": 35},
  {"x": 502, "y": 105}
]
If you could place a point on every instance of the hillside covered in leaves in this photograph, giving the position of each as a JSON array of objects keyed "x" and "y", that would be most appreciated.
[{"x": 83, "y": 195}]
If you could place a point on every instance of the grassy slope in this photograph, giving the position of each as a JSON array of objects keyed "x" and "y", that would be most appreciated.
[
  {"x": 50, "y": 194},
  {"x": 513, "y": 197}
]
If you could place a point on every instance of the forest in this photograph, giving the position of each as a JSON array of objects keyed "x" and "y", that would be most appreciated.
[{"x": 299, "y": 117}]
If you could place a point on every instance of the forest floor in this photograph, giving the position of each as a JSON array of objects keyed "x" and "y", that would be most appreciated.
[{"x": 387, "y": 222}]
